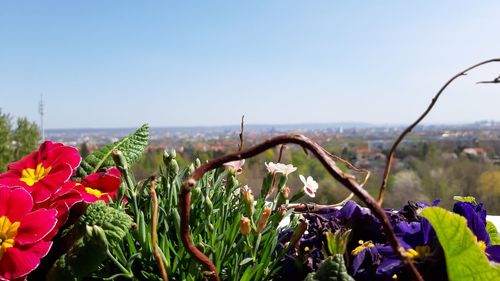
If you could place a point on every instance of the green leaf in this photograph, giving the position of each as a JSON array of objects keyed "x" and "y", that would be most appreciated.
[
  {"x": 131, "y": 146},
  {"x": 464, "y": 258},
  {"x": 245, "y": 261},
  {"x": 493, "y": 232},
  {"x": 331, "y": 269},
  {"x": 466, "y": 199}
]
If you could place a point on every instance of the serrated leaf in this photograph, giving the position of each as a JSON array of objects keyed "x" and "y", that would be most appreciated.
[
  {"x": 467, "y": 199},
  {"x": 464, "y": 258},
  {"x": 131, "y": 146},
  {"x": 493, "y": 233},
  {"x": 331, "y": 269}
]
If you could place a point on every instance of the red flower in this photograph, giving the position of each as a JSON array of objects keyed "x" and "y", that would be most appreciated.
[
  {"x": 44, "y": 171},
  {"x": 99, "y": 186},
  {"x": 61, "y": 201},
  {"x": 21, "y": 233}
]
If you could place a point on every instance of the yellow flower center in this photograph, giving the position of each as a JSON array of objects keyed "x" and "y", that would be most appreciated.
[
  {"x": 96, "y": 192},
  {"x": 362, "y": 246},
  {"x": 481, "y": 245},
  {"x": 419, "y": 252},
  {"x": 31, "y": 176},
  {"x": 8, "y": 232}
]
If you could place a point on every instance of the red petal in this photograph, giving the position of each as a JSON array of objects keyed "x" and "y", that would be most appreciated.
[
  {"x": 50, "y": 184},
  {"x": 14, "y": 202},
  {"x": 35, "y": 226},
  {"x": 63, "y": 154},
  {"x": 18, "y": 262},
  {"x": 108, "y": 181}
]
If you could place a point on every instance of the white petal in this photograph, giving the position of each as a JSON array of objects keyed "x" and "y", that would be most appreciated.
[{"x": 303, "y": 179}]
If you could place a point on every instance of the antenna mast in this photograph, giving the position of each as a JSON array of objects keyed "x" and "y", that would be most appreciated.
[{"x": 40, "y": 111}]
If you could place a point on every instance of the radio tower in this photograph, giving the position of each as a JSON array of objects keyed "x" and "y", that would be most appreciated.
[{"x": 40, "y": 110}]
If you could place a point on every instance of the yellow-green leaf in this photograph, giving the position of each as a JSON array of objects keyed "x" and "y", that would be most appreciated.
[{"x": 464, "y": 258}]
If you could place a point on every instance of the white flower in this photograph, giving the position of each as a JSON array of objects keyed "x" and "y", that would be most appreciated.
[
  {"x": 235, "y": 166},
  {"x": 310, "y": 185},
  {"x": 273, "y": 168},
  {"x": 286, "y": 169}
]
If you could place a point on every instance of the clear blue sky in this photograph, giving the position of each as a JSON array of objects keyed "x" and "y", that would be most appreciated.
[{"x": 185, "y": 63}]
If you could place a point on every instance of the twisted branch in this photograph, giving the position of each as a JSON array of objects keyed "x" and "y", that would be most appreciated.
[
  {"x": 390, "y": 156},
  {"x": 328, "y": 163},
  {"x": 154, "y": 234}
]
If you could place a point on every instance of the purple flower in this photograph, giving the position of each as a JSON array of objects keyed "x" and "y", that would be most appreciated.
[{"x": 476, "y": 221}]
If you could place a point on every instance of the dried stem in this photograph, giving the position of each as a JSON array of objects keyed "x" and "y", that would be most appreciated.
[
  {"x": 240, "y": 147},
  {"x": 282, "y": 148},
  {"x": 494, "y": 81},
  {"x": 154, "y": 234},
  {"x": 390, "y": 156},
  {"x": 328, "y": 163}
]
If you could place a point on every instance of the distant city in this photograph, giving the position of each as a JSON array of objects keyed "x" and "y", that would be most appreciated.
[{"x": 228, "y": 135}]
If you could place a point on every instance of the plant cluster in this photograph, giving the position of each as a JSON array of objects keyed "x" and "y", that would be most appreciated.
[{"x": 67, "y": 218}]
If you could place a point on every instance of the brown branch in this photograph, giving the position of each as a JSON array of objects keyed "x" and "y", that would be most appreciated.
[
  {"x": 154, "y": 234},
  {"x": 390, "y": 156},
  {"x": 327, "y": 162},
  {"x": 240, "y": 147},
  {"x": 494, "y": 81},
  {"x": 282, "y": 148}
]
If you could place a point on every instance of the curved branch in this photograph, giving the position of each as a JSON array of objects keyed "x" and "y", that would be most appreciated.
[
  {"x": 327, "y": 162},
  {"x": 390, "y": 156},
  {"x": 154, "y": 234}
]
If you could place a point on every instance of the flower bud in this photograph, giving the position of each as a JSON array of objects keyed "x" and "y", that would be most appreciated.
[
  {"x": 245, "y": 226},
  {"x": 264, "y": 217},
  {"x": 280, "y": 214},
  {"x": 247, "y": 195},
  {"x": 297, "y": 233},
  {"x": 281, "y": 211},
  {"x": 209, "y": 206},
  {"x": 197, "y": 163},
  {"x": 173, "y": 167},
  {"x": 191, "y": 168},
  {"x": 285, "y": 192},
  {"x": 283, "y": 196},
  {"x": 248, "y": 199}
]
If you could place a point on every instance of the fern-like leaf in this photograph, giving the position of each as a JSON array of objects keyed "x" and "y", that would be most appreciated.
[{"x": 131, "y": 146}]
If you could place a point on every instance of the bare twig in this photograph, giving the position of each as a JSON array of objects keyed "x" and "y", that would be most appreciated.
[
  {"x": 240, "y": 147},
  {"x": 282, "y": 148},
  {"x": 326, "y": 161},
  {"x": 494, "y": 81},
  {"x": 390, "y": 156},
  {"x": 154, "y": 234}
]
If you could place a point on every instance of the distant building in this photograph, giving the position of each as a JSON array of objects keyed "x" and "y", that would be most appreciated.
[{"x": 476, "y": 152}]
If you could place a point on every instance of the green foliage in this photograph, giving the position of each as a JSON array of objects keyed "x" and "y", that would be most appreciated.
[
  {"x": 5, "y": 141},
  {"x": 83, "y": 258},
  {"x": 464, "y": 258},
  {"x": 493, "y": 233},
  {"x": 337, "y": 242},
  {"x": 25, "y": 137},
  {"x": 467, "y": 199},
  {"x": 131, "y": 146},
  {"x": 216, "y": 211},
  {"x": 114, "y": 222},
  {"x": 331, "y": 269},
  {"x": 16, "y": 142}
]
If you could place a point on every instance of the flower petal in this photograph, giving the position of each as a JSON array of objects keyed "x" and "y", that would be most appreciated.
[
  {"x": 493, "y": 253},
  {"x": 14, "y": 202},
  {"x": 303, "y": 179},
  {"x": 35, "y": 226},
  {"x": 18, "y": 262}
]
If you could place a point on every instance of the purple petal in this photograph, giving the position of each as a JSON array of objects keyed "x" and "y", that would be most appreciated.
[
  {"x": 493, "y": 253},
  {"x": 476, "y": 219}
]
